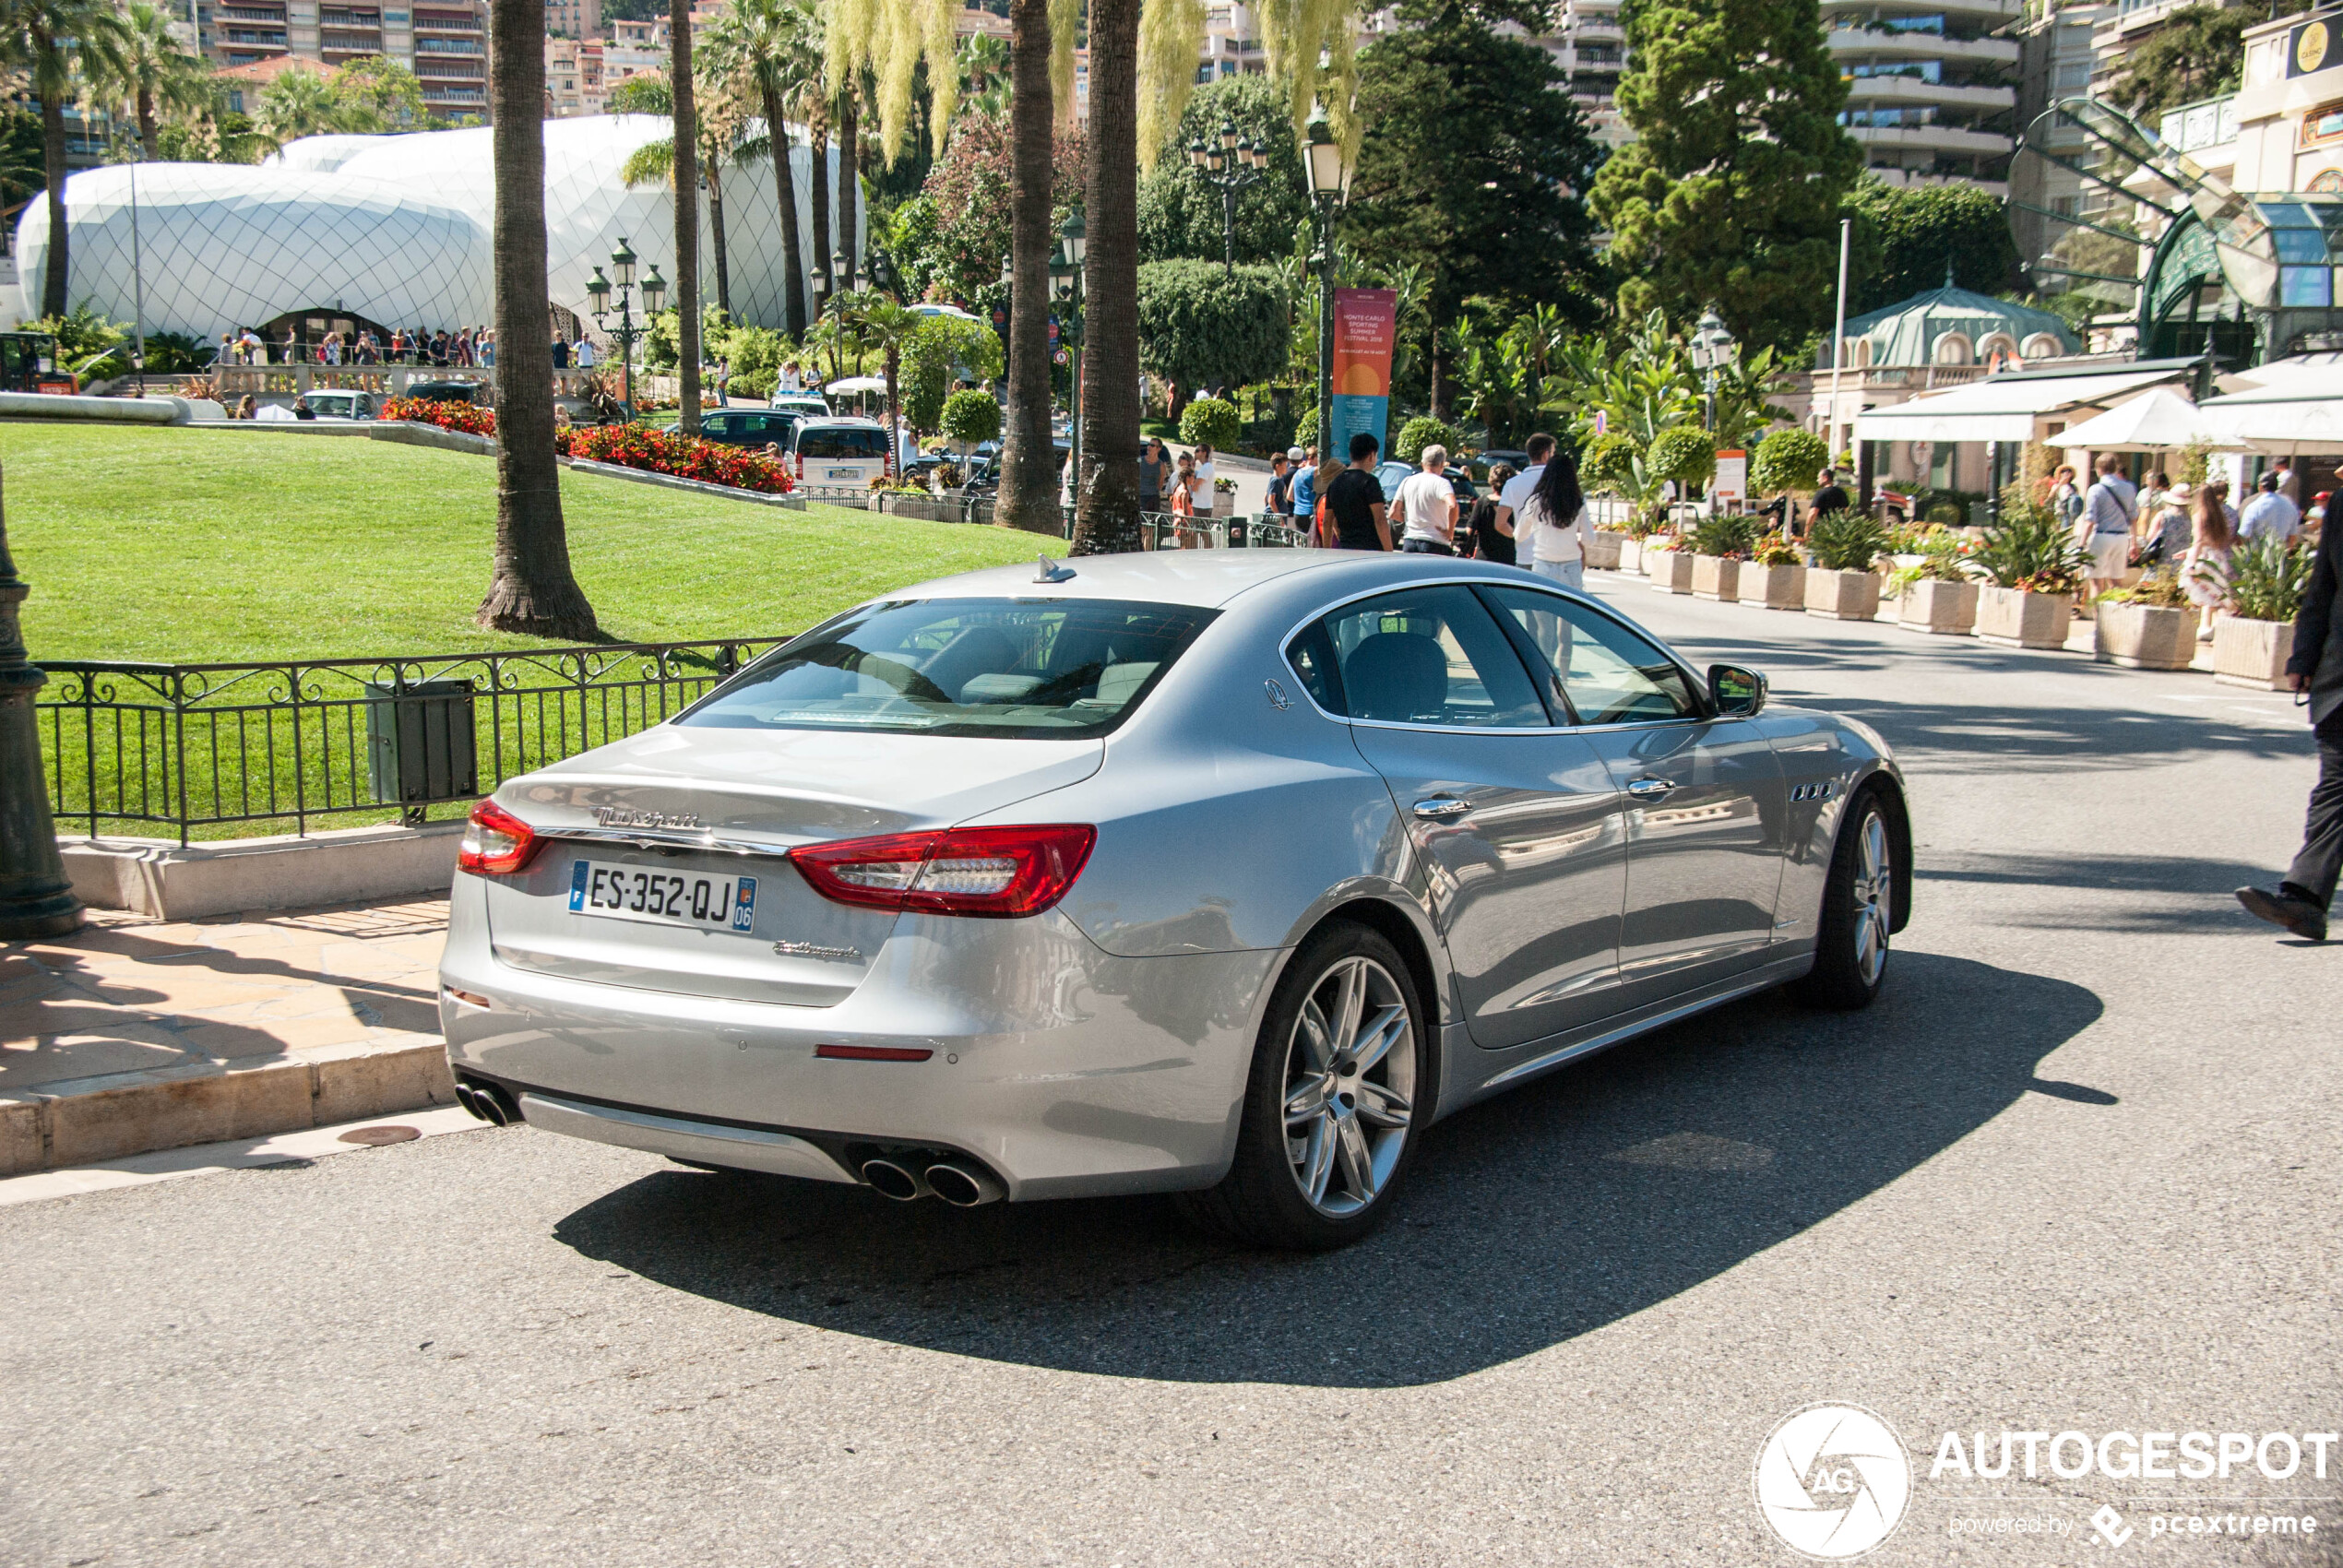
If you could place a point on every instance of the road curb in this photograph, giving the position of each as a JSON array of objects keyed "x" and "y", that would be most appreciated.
[{"x": 81, "y": 1121}]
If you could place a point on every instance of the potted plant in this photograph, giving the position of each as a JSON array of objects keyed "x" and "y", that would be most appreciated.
[
  {"x": 1720, "y": 544},
  {"x": 1775, "y": 575},
  {"x": 1633, "y": 539},
  {"x": 1938, "y": 593},
  {"x": 2149, "y": 626},
  {"x": 2254, "y": 637},
  {"x": 1841, "y": 586},
  {"x": 2032, "y": 567},
  {"x": 1668, "y": 563}
]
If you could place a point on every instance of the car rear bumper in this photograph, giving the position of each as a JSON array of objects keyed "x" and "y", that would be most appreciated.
[{"x": 1064, "y": 1070}]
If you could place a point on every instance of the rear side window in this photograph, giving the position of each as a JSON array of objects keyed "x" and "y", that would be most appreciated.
[
  {"x": 849, "y": 441},
  {"x": 1007, "y": 668},
  {"x": 1421, "y": 656}
]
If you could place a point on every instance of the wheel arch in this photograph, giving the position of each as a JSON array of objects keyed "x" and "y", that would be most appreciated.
[
  {"x": 1883, "y": 782},
  {"x": 1387, "y": 920}
]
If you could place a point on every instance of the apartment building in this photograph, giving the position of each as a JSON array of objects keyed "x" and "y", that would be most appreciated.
[
  {"x": 445, "y": 43},
  {"x": 1591, "y": 50},
  {"x": 1232, "y": 43},
  {"x": 632, "y": 49},
  {"x": 580, "y": 19},
  {"x": 574, "y": 77},
  {"x": 1931, "y": 86},
  {"x": 2058, "y": 57}
]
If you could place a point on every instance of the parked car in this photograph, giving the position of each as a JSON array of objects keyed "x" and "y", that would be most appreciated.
[
  {"x": 839, "y": 453},
  {"x": 805, "y": 405},
  {"x": 1221, "y": 872},
  {"x": 753, "y": 428},
  {"x": 444, "y": 391},
  {"x": 336, "y": 405}
]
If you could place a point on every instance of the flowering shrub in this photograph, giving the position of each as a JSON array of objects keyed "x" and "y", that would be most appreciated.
[
  {"x": 684, "y": 457},
  {"x": 465, "y": 417}
]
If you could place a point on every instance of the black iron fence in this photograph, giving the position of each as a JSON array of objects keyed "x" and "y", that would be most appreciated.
[{"x": 200, "y": 747}]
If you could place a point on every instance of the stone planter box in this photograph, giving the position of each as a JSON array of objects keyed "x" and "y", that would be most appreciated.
[
  {"x": 1775, "y": 587},
  {"x": 933, "y": 508},
  {"x": 2011, "y": 618},
  {"x": 1631, "y": 554},
  {"x": 1670, "y": 570},
  {"x": 2145, "y": 636},
  {"x": 1716, "y": 577},
  {"x": 1602, "y": 550},
  {"x": 2252, "y": 653},
  {"x": 1932, "y": 604},
  {"x": 1842, "y": 596}
]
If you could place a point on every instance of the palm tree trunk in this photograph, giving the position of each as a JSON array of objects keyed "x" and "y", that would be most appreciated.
[
  {"x": 715, "y": 230},
  {"x": 54, "y": 271},
  {"x": 785, "y": 192},
  {"x": 1106, "y": 490},
  {"x": 150, "y": 133},
  {"x": 679, "y": 24},
  {"x": 894, "y": 408},
  {"x": 819, "y": 134},
  {"x": 850, "y": 176},
  {"x": 1029, "y": 480},
  {"x": 531, "y": 589}
]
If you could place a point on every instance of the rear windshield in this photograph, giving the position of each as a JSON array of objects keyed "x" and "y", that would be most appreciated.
[
  {"x": 1015, "y": 668},
  {"x": 848, "y": 442}
]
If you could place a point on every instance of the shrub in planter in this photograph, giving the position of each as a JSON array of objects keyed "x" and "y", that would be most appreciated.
[
  {"x": 2150, "y": 626},
  {"x": 1775, "y": 575},
  {"x": 971, "y": 416},
  {"x": 2254, "y": 640},
  {"x": 1210, "y": 421},
  {"x": 468, "y": 418},
  {"x": 2024, "y": 616},
  {"x": 1610, "y": 467},
  {"x": 1842, "y": 585},
  {"x": 1720, "y": 544},
  {"x": 683, "y": 456},
  {"x": 1787, "y": 459},
  {"x": 1716, "y": 577},
  {"x": 1419, "y": 432},
  {"x": 1669, "y": 568},
  {"x": 1946, "y": 606}
]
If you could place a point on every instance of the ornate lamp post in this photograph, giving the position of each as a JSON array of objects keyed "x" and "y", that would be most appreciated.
[
  {"x": 1329, "y": 178},
  {"x": 36, "y": 897},
  {"x": 1713, "y": 347},
  {"x": 628, "y": 332},
  {"x": 1228, "y": 167},
  {"x": 1066, "y": 283}
]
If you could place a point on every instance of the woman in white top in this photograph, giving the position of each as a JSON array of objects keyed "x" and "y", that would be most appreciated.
[
  {"x": 1207, "y": 499},
  {"x": 1427, "y": 504},
  {"x": 1550, "y": 532}
]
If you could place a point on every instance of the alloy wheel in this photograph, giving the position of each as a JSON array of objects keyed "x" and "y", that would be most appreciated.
[
  {"x": 1350, "y": 1086},
  {"x": 1874, "y": 889}
]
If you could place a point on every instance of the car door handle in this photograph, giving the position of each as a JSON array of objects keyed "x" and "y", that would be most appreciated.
[
  {"x": 1651, "y": 788},
  {"x": 1440, "y": 808}
]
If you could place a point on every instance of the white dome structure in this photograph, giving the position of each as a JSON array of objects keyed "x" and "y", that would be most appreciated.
[{"x": 397, "y": 230}]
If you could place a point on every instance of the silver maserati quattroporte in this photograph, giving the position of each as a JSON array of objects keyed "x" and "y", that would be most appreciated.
[{"x": 1217, "y": 872}]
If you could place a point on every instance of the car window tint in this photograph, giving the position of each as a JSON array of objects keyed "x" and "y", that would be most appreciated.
[
  {"x": 1610, "y": 674},
  {"x": 1013, "y": 669},
  {"x": 1311, "y": 656},
  {"x": 849, "y": 442},
  {"x": 1430, "y": 655}
]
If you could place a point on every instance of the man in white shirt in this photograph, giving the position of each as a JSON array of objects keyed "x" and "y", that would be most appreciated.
[
  {"x": 584, "y": 356},
  {"x": 1427, "y": 504},
  {"x": 1516, "y": 490},
  {"x": 2270, "y": 514},
  {"x": 2105, "y": 526}
]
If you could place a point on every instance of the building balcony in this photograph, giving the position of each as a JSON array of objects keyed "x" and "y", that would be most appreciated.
[
  {"x": 445, "y": 21},
  {"x": 274, "y": 17},
  {"x": 1990, "y": 14},
  {"x": 1887, "y": 45},
  {"x": 1933, "y": 139},
  {"x": 1864, "y": 92}
]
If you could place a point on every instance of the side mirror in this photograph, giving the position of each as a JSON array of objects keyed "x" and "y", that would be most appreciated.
[{"x": 1734, "y": 692}]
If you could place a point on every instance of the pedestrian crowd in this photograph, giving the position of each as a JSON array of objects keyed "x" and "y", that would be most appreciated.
[{"x": 466, "y": 348}]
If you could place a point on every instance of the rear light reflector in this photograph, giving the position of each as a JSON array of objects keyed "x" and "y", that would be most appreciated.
[
  {"x": 468, "y": 998},
  {"x": 873, "y": 1053},
  {"x": 497, "y": 843},
  {"x": 999, "y": 873}
]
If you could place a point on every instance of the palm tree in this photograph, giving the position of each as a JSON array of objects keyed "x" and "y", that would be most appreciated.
[
  {"x": 1029, "y": 470},
  {"x": 983, "y": 61},
  {"x": 887, "y": 326},
  {"x": 299, "y": 104},
  {"x": 773, "y": 48},
  {"x": 679, "y": 83},
  {"x": 152, "y": 73},
  {"x": 50, "y": 42},
  {"x": 1107, "y": 493},
  {"x": 531, "y": 589}
]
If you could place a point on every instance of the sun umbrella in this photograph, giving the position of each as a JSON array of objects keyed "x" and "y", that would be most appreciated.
[{"x": 2158, "y": 420}]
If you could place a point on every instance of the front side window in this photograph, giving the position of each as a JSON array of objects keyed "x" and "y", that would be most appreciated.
[
  {"x": 1423, "y": 656},
  {"x": 1011, "y": 668},
  {"x": 1610, "y": 675}
]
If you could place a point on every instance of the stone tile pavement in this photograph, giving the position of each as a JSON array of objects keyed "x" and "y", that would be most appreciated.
[{"x": 135, "y": 1034}]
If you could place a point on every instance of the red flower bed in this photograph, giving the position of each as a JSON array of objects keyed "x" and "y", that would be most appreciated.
[
  {"x": 684, "y": 457},
  {"x": 463, "y": 417}
]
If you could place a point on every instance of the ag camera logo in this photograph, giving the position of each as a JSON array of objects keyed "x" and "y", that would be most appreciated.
[{"x": 1833, "y": 1482}]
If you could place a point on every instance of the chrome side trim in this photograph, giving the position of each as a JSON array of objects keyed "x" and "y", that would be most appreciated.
[
  {"x": 665, "y": 839},
  {"x": 1767, "y": 979}
]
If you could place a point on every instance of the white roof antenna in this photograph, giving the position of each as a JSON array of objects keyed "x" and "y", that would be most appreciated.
[{"x": 1053, "y": 572}]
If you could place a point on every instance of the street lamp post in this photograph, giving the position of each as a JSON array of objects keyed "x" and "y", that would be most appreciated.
[
  {"x": 1713, "y": 347},
  {"x": 628, "y": 332},
  {"x": 1066, "y": 283},
  {"x": 36, "y": 897},
  {"x": 1228, "y": 166},
  {"x": 1329, "y": 179}
]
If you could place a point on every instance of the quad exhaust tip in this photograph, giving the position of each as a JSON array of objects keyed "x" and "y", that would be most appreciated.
[
  {"x": 491, "y": 1103},
  {"x": 908, "y": 1178},
  {"x": 893, "y": 1180},
  {"x": 961, "y": 1187}
]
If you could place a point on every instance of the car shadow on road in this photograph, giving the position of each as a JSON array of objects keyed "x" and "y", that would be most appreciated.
[{"x": 1528, "y": 1220}]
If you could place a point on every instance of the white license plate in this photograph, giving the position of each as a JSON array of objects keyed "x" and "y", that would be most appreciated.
[
  {"x": 846, "y": 473},
  {"x": 700, "y": 900}
]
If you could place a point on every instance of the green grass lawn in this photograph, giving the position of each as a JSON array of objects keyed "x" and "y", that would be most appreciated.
[{"x": 189, "y": 546}]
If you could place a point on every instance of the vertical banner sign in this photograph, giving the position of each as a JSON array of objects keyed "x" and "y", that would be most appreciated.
[
  {"x": 1363, "y": 330},
  {"x": 1730, "y": 487}
]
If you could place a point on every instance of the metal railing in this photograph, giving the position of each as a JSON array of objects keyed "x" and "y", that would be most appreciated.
[
  {"x": 192, "y": 746},
  {"x": 299, "y": 380}
]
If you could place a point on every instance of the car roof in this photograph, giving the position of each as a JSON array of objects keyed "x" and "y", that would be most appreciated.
[
  {"x": 1213, "y": 578},
  {"x": 845, "y": 418}
]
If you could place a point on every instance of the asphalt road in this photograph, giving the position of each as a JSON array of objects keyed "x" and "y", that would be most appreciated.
[{"x": 2078, "y": 1171}]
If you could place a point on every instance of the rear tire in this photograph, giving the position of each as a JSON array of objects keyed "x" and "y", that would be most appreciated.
[
  {"x": 1338, "y": 1073},
  {"x": 1858, "y": 904}
]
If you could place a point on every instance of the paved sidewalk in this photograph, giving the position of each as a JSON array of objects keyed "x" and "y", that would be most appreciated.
[{"x": 135, "y": 1034}]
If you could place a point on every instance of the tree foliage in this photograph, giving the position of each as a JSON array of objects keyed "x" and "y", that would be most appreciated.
[
  {"x": 968, "y": 190},
  {"x": 1180, "y": 214},
  {"x": 1419, "y": 432},
  {"x": 940, "y": 349},
  {"x": 1210, "y": 421},
  {"x": 1199, "y": 327},
  {"x": 1609, "y": 463},
  {"x": 1685, "y": 453},
  {"x": 2196, "y": 52},
  {"x": 1731, "y": 195},
  {"x": 971, "y": 416},
  {"x": 1787, "y": 459},
  {"x": 1907, "y": 236}
]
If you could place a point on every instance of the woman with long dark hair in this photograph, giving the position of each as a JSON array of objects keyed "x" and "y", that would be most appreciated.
[
  {"x": 1551, "y": 529},
  {"x": 2206, "y": 572}
]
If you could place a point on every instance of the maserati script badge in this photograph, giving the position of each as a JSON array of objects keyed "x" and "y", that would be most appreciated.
[
  {"x": 814, "y": 950},
  {"x": 627, "y": 816}
]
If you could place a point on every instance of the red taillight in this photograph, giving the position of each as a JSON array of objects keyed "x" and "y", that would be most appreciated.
[
  {"x": 497, "y": 843},
  {"x": 997, "y": 871},
  {"x": 800, "y": 465}
]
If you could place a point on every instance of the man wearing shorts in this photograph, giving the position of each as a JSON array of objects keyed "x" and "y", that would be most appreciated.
[{"x": 2105, "y": 526}]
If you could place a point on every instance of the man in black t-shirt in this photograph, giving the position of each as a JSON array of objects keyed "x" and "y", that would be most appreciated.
[
  {"x": 1354, "y": 500},
  {"x": 1829, "y": 497}
]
